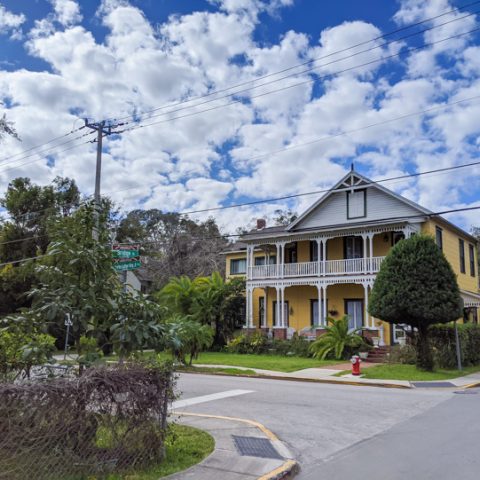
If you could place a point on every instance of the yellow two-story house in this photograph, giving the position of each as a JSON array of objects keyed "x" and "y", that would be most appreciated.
[{"x": 324, "y": 264}]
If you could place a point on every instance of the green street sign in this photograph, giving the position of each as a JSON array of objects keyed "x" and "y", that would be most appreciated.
[
  {"x": 125, "y": 253},
  {"x": 131, "y": 265}
]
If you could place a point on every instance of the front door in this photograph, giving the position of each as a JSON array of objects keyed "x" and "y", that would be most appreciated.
[{"x": 354, "y": 311}]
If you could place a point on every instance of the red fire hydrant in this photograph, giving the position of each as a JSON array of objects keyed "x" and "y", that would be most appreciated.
[{"x": 355, "y": 365}]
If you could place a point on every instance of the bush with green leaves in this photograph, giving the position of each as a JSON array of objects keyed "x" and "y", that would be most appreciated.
[
  {"x": 256, "y": 343},
  {"x": 209, "y": 300},
  {"x": 188, "y": 337},
  {"x": 22, "y": 346},
  {"x": 443, "y": 343},
  {"x": 417, "y": 286},
  {"x": 405, "y": 354},
  {"x": 338, "y": 341}
]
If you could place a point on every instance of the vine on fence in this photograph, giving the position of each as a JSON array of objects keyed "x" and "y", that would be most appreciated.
[{"x": 110, "y": 420}]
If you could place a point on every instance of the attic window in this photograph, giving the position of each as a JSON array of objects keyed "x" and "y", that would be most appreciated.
[{"x": 356, "y": 204}]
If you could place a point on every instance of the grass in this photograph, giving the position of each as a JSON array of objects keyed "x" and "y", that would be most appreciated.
[
  {"x": 409, "y": 372},
  {"x": 229, "y": 371},
  {"x": 278, "y": 363},
  {"x": 185, "y": 446}
]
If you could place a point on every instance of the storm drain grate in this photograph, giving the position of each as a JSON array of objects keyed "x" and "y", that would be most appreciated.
[
  {"x": 433, "y": 384},
  {"x": 465, "y": 392},
  {"x": 255, "y": 447}
]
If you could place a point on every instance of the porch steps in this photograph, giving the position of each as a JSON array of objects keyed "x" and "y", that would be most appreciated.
[{"x": 377, "y": 355}]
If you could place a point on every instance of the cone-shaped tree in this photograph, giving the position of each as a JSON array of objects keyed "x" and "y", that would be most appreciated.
[{"x": 416, "y": 286}]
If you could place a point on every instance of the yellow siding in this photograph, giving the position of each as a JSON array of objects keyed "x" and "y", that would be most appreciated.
[
  {"x": 303, "y": 251},
  {"x": 451, "y": 251}
]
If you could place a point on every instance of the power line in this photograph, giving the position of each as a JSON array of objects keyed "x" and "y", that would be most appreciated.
[
  {"x": 140, "y": 125},
  {"x": 455, "y": 10},
  {"x": 336, "y": 135},
  {"x": 311, "y": 80},
  {"x": 41, "y": 144},
  {"x": 276, "y": 199},
  {"x": 16, "y": 167},
  {"x": 50, "y": 149}
]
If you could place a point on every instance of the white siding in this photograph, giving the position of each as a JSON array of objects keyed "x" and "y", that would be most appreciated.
[{"x": 333, "y": 211}]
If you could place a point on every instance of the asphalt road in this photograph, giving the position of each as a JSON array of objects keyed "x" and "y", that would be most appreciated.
[{"x": 345, "y": 432}]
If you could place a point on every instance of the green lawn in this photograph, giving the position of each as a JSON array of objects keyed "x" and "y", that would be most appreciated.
[
  {"x": 226, "y": 370},
  {"x": 265, "y": 362},
  {"x": 185, "y": 446},
  {"x": 278, "y": 363},
  {"x": 410, "y": 372}
]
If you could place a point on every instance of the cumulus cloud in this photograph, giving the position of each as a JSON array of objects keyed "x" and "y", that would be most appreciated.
[
  {"x": 10, "y": 22},
  {"x": 67, "y": 12},
  {"x": 256, "y": 143}
]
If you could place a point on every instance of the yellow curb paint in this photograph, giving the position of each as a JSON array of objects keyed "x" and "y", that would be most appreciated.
[
  {"x": 288, "y": 466},
  {"x": 263, "y": 428},
  {"x": 471, "y": 385}
]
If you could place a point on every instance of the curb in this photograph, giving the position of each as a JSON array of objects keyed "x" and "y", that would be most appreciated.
[
  {"x": 308, "y": 380},
  {"x": 471, "y": 385},
  {"x": 287, "y": 470}
]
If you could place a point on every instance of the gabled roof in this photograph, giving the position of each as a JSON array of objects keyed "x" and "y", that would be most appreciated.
[{"x": 350, "y": 181}]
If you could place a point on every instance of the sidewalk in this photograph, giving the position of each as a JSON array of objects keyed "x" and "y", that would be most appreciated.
[
  {"x": 327, "y": 375},
  {"x": 265, "y": 457}
]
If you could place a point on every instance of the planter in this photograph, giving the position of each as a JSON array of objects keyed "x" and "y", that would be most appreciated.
[
  {"x": 363, "y": 355},
  {"x": 376, "y": 341}
]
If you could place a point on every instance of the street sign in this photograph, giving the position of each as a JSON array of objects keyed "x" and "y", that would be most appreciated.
[
  {"x": 128, "y": 265},
  {"x": 125, "y": 253}
]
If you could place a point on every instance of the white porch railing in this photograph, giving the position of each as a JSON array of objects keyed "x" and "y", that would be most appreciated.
[{"x": 313, "y": 269}]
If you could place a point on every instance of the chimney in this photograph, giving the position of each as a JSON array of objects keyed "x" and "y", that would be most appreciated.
[{"x": 261, "y": 223}]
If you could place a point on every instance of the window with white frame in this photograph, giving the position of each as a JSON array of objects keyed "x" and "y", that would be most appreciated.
[
  {"x": 238, "y": 266},
  {"x": 356, "y": 204}
]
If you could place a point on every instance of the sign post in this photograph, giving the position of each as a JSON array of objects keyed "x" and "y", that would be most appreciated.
[
  {"x": 68, "y": 324},
  {"x": 126, "y": 257}
]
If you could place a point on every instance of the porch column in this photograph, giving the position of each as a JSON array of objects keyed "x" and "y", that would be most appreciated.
[
  {"x": 319, "y": 263},
  {"x": 277, "y": 308},
  {"x": 324, "y": 319},
  {"x": 282, "y": 307},
  {"x": 324, "y": 256},
  {"x": 265, "y": 308},
  {"x": 250, "y": 308},
  {"x": 282, "y": 256},
  {"x": 319, "y": 293},
  {"x": 365, "y": 261},
  {"x": 367, "y": 317},
  {"x": 370, "y": 241},
  {"x": 279, "y": 260}
]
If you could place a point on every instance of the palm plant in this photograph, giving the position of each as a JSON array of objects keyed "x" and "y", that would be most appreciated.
[
  {"x": 336, "y": 339},
  {"x": 178, "y": 294}
]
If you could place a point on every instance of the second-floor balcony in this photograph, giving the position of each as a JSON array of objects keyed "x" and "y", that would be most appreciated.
[{"x": 350, "y": 266}]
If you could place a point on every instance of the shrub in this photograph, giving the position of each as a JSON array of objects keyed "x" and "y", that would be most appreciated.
[
  {"x": 259, "y": 343},
  {"x": 444, "y": 349},
  {"x": 338, "y": 342},
  {"x": 405, "y": 354},
  {"x": 254, "y": 343}
]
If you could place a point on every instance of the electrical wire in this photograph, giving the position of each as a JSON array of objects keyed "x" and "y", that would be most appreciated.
[
  {"x": 455, "y": 10},
  {"x": 287, "y": 197},
  {"x": 333, "y": 136},
  {"x": 42, "y": 144},
  {"x": 309, "y": 81}
]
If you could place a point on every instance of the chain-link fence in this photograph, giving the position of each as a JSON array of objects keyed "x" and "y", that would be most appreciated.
[{"x": 106, "y": 422}]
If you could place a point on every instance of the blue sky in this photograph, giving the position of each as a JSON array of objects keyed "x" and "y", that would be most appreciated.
[{"x": 63, "y": 59}]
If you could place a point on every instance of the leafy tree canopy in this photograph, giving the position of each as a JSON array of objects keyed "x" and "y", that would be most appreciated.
[
  {"x": 416, "y": 286},
  {"x": 174, "y": 244}
]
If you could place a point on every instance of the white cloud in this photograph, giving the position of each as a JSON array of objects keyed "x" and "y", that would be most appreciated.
[
  {"x": 67, "y": 12},
  {"x": 224, "y": 153},
  {"x": 10, "y": 22}
]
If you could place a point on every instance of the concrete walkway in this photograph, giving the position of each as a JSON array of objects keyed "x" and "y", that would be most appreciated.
[
  {"x": 328, "y": 375},
  {"x": 226, "y": 461}
]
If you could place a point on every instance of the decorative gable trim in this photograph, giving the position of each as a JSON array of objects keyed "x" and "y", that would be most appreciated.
[{"x": 355, "y": 181}]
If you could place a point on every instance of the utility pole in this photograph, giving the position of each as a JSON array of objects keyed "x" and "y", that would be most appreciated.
[{"x": 102, "y": 130}]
